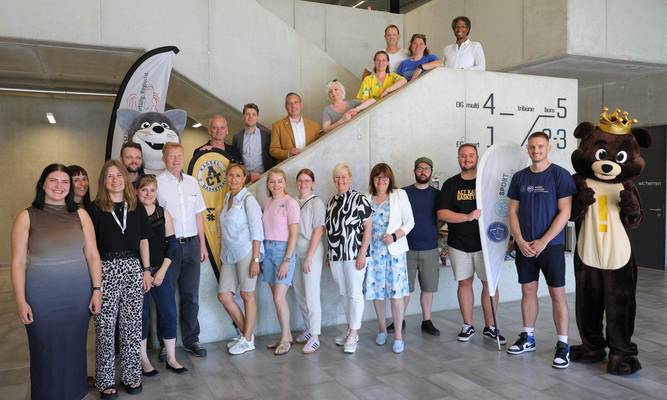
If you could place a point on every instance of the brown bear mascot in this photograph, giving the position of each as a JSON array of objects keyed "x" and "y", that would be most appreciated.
[{"x": 606, "y": 206}]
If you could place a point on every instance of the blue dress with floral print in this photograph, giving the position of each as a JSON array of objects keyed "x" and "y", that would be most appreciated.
[{"x": 386, "y": 275}]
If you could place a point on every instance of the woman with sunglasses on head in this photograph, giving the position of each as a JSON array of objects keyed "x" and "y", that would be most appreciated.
[{"x": 241, "y": 251}]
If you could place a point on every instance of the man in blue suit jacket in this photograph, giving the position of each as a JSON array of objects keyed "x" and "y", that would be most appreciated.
[{"x": 253, "y": 143}]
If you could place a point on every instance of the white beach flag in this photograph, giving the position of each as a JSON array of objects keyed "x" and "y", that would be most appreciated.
[
  {"x": 143, "y": 89},
  {"x": 494, "y": 173}
]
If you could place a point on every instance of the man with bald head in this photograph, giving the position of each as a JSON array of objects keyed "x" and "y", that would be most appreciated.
[{"x": 217, "y": 132}]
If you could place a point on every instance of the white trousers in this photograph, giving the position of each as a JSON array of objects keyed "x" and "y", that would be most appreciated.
[
  {"x": 307, "y": 286},
  {"x": 350, "y": 283}
]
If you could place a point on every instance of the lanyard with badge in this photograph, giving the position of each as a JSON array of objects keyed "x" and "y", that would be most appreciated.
[{"x": 124, "y": 225}]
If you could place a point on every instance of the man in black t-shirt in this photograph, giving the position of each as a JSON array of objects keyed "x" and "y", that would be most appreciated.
[{"x": 457, "y": 206}]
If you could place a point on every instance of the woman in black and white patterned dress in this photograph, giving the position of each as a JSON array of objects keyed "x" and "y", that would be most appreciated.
[{"x": 348, "y": 227}]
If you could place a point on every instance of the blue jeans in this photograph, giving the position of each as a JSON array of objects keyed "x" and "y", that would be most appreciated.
[
  {"x": 185, "y": 274},
  {"x": 165, "y": 303},
  {"x": 273, "y": 257}
]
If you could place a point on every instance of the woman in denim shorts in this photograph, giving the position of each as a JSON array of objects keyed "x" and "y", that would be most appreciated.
[{"x": 281, "y": 229}]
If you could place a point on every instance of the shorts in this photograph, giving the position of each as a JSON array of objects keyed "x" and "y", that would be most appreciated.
[
  {"x": 273, "y": 257},
  {"x": 551, "y": 262},
  {"x": 466, "y": 264},
  {"x": 426, "y": 265},
  {"x": 235, "y": 277}
]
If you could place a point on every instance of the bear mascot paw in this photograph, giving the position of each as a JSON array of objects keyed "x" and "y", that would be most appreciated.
[{"x": 606, "y": 206}]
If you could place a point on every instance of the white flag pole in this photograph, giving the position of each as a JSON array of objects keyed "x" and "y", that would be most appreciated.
[{"x": 494, "y": 174}]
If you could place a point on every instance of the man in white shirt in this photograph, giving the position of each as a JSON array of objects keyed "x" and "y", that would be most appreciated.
[
  {"x": 290, "y": 135},
  {"x": 396, "y": 54},
  {"x": 179, "y": 194},
  {"x": 464, "y": 54}
]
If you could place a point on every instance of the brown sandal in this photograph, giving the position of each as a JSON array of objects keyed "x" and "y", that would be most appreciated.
[{"x": 283, "y": 348}]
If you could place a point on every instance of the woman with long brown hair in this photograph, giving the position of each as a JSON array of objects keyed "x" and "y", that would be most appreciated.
[{"x": 122, "y": 230}]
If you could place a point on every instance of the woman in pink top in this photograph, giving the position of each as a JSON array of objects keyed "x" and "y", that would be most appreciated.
[{"x": 281, "y": 229}]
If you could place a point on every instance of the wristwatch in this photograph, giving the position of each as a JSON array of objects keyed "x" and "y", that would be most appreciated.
[
  {"x": 287, "y": 259},
  {"x": 255, "y": 259},
  {"x": 393, "y": 236},
  {"x": 97, "y": 288}
]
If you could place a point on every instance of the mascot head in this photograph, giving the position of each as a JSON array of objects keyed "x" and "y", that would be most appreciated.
[
  {"x": 609, "y": 152},
  {"x": 152, "y": 130}
]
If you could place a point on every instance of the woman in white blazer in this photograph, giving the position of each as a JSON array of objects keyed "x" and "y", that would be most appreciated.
[{"x": 387, "y": 271}]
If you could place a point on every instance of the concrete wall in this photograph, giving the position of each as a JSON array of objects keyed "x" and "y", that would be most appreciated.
[
  {"x": 644, "y": 98},
  {"x": 30, "y": 143},
  {"x": 424, "y": 118},
  {"x": 618, "y": 29},
  {"x": 236, "y": 49},
  {"x": 349, "y": 35},
  {"x": 512, "y": 32}
]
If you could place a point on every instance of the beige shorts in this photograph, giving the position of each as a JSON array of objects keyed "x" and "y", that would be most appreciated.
[
  {"x": 235, "y": 277},
  {"x": 465, "y": 264}
]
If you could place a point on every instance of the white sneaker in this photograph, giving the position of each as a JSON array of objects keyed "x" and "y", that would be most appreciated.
[
  {"x": 242, "y": 346},
  {"x": 233, "y": 341},
  {"x": 340, "y": 339},
  {"x": 304, "y": 337},
  {"x": 351, "y": 344}
]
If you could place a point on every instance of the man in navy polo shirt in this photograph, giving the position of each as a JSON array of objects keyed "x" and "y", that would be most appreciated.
[
  {"x": 540, "y": 200},
  {"x": 424, "y": 257}
]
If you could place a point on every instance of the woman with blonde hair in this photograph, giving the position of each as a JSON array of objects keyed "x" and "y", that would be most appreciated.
[
  {"x": 340, "y": 110},
  {"x": 281, "y": 229},
  {"x": 163, "y": 248},
  {"x": 122, "y": 231},
  {"x": 240, "y": 255},
  {"x": 348, "y": 226}
]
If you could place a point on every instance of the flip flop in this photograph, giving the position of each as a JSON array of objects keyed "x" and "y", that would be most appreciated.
[
  {"x": 283, "y": 348},
  {"x": 275, "y": 344}
]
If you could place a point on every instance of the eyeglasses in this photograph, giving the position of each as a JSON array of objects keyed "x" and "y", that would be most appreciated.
[
  {"x": 381, "y": 178},
  {"x": 424, "y": 169}
]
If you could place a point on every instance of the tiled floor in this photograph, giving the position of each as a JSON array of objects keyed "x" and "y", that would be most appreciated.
[{"x": 430, "y": 368}]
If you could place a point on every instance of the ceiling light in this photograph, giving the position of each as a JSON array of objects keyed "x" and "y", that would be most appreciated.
[
  {"x": 359, "y": 3},
  {"x": 197, "y": 125},
  {"x": 51, "y": 118}
]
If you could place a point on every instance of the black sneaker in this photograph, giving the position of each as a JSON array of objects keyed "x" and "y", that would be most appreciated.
[
  {"x": 492, "y": 334},
  {"x": 196, "y": 349},
  {"x": 466, "y": 334},
  {"x": 562, "y": 356},
  {"x": 523, "y": 344},
  {"x": 391, "y": 329},
  {"x": 428, "y": 327}
]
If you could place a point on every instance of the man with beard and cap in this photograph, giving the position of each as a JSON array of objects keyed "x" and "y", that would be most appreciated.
[
  {"x": 457, "y": 206},
  {"x": 132, "y": 159},
  {"x": 423, "y": 256}
]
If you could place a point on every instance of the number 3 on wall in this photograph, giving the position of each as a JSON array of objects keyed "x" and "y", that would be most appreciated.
[{"x": 560, "y": 137}]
